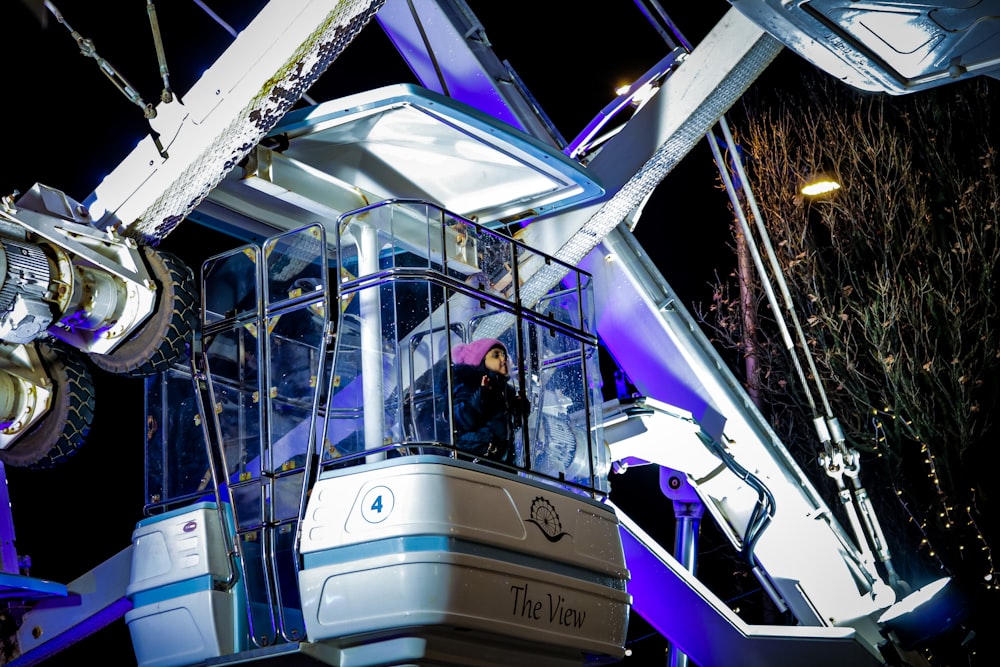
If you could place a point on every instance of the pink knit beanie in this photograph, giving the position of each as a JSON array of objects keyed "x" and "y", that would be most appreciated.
[{"x": 473, "y": 353}]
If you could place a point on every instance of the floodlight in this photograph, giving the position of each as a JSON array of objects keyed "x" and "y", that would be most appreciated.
[{"x": 924, "y": 614}]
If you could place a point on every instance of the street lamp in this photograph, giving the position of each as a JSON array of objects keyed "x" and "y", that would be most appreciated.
[{"x": 819, "y": 184}]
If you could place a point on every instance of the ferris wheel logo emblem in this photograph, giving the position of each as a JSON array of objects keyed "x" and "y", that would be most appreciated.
[{"x": 544, "y": 515}]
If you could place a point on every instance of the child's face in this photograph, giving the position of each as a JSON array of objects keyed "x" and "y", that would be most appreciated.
[{"x": 496, "y": 361}]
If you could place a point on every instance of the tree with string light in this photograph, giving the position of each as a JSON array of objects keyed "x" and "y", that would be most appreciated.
[{"x": 894, "y": 276}]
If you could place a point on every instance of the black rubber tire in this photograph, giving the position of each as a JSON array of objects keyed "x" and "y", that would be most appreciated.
[
  {"x": 162, "y": 339},
  {"x": 63, "y": 430}
]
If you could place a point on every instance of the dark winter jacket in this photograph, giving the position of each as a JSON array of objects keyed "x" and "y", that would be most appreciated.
[{"x": 485, "y": 417}]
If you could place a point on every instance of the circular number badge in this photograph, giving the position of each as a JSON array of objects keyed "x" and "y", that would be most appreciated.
[{"x": 377, "y": 504}]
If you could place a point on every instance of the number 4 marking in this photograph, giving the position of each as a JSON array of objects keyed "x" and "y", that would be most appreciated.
[{"x": 377, "y": 504}]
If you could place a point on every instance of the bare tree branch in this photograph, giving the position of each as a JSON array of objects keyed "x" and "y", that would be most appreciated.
[{"x": 896, "y": 278}]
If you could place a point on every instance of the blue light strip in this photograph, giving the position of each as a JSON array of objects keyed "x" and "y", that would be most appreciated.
[
  {"x": 436, "y": 543},
  {"x": 172, "y": 591}
]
